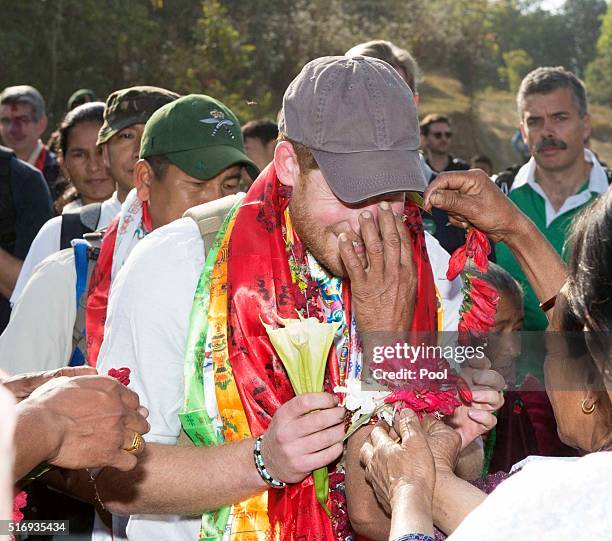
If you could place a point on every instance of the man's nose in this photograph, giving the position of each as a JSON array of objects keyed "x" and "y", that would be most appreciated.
[
  {"x": 15, "y": 128},
  {"x": 354, "y": 219},
  {"x": 548, "y": 130},
  {"x": 373, "y": 208},
  {"x": 96, "y": 162}
]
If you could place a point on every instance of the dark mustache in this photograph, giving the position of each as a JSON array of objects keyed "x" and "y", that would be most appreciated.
[{"x": 550, "y": 143}]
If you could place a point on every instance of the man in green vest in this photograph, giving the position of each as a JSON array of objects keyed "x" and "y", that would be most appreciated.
[{"x": 562, "y": 176}]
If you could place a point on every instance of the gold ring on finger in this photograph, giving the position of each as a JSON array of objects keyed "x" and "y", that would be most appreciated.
[{"x": 137, "y": 444}]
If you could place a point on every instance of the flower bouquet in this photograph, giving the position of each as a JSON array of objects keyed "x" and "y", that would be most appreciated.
[
  {"x": 303, "y": 347},
  {"x": 438, "y": 397}
]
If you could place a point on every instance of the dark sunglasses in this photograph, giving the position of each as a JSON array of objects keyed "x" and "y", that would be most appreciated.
[{"x": 440, "y": 134}]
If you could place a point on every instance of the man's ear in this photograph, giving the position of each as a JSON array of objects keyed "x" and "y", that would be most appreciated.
[
  {"x": 286, "y": 164},
  {"x": 42, "y": 125},
  {"x": 143, "y": 176},
  {"x": 588, "y": 128},
  {"x": 523, "y": 134}
]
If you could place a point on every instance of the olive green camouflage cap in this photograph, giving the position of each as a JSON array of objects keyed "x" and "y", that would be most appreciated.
[
  {"x": 81, "y": 96},
  {"x": 130, "y": 106},
  {"x": 198, "y": 134}
]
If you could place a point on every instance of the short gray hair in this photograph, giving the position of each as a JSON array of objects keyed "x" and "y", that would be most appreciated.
[
  {"x": 545, "y": 80},
  {"x": 392, "y": 55},
  {"x": 24, "y": 94}
]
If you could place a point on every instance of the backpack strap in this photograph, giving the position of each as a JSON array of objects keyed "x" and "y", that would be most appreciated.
[
  {"x": 209, "y": 216},
  {"x": 86, "y": 253},
  {"x": 78, "y": 223},
  {"x": 8, "y": 217},
  {"x": 505, "y": 179}
]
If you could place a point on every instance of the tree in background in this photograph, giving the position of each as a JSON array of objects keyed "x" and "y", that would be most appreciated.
[
  {"x": 583, "y": 22},
  {"x": 217, "y": 61},
  {"x": 246, "y": 53},
  {"x": 599, "y": 72},
  {"x": 64, "y": 45},
  {"x": 518, "y": 63}
]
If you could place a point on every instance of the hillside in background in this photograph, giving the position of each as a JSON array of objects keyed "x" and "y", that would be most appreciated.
[{"x": 486, "y": 125}]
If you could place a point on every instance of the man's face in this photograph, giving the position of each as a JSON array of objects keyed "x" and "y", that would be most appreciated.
[
  {"x": 261, "y": 153},
  {"x": 18, "y": 128},
  {"x": 121, "y": 153},
  {"x": 319, "y": 217},
  {"x": 438, "y": 138},
  {"x": 177, "y": 192},
  {"x": 553, "y": 129}
]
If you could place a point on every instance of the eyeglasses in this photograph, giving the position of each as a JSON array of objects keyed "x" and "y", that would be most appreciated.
[{"x": 440, "y": 134}]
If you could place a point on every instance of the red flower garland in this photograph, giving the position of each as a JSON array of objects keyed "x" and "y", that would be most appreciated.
[
  {"x": 479, "y": 298},
  {"x": 477, "y": 317},
  {"x": 122, "y": 375},
  {"x": 20, "y": 501}
]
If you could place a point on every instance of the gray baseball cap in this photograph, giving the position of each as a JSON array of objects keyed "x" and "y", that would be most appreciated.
[{"x": 358, "y": 118}]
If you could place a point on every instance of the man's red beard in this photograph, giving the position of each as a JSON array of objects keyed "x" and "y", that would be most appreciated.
[{"x": 314, "y": 236}]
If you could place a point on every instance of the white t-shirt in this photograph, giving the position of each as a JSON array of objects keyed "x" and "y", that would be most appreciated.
[
  {"x": 47, "y": 242},
  {"x": 39, "y": 333},
  {"x": 549, "y": 499},
  {"x": 146, "y": 329},
  {"x": 72, "y": 206}
]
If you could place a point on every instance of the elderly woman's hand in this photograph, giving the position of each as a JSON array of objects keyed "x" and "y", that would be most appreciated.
[
  {"x": 487, "y": 397},
  {"x": 393, "y": 467},
  {"x": 464, "y": 195},
  {"x": 444, "y": 443}
]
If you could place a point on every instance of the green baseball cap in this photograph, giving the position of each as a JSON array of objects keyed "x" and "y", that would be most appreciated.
[
  {"x": 131, "y": 106},
  {"x": 199, "y": 135}
]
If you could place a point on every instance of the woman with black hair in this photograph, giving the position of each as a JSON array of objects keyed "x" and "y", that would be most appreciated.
[{"x": 86, "y": 178}]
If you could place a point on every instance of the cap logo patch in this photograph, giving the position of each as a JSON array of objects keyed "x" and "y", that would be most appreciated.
[{"x": 218, "y": 119}]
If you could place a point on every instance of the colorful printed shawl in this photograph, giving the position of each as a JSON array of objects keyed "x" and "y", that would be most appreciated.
[
  {"x": 247, "y": 276},
  {"x": 124, "y": 232}
]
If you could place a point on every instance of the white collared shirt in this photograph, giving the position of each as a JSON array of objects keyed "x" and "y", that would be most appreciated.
[
  {"x": 35, "y": 153},
  {"x": 598, "y": 183}
]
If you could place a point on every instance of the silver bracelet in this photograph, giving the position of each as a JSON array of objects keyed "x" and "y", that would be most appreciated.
[{"x": 261, "y": 468}]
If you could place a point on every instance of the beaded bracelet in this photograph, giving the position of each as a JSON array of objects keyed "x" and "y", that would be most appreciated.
[
  {"x": 415, "y": 536},
  {"x": 261, "y": 469}
]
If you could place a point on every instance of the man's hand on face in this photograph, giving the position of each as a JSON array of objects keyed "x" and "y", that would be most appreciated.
[
  {"x": 487, "y": 385},
  {"x": 384, "y": 292},
  {"x": 22, "y": 385},
  {"x": 471, "y": 196},
  {"x": 305, "y": 434},
  {"x": 88, "y": 421}
]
